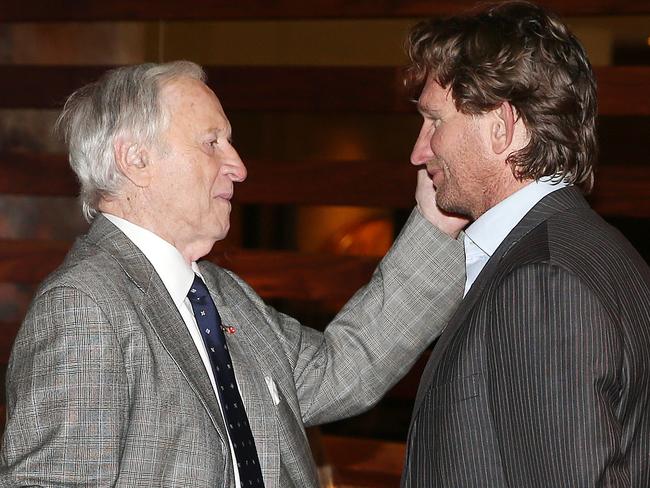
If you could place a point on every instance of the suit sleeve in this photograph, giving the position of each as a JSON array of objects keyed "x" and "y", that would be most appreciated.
[
  {"x": 378, "y": 335},
  {"x": 67, "y": 396},
  {"x": 553, "y": 382}
]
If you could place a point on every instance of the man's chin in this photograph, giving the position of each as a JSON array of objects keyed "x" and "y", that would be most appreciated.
[
  {"x": 209, "y": 241},
  {"x": 222, "y": 233},
  {"x": 443, "y": 202},
  {"x": 451, "y": 207}
]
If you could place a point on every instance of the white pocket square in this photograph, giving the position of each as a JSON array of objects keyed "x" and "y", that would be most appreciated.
[{"x": 273, "y": 389}]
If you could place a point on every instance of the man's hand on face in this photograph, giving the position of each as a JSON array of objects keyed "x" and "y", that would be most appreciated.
[{"x": 425, "y": 196}]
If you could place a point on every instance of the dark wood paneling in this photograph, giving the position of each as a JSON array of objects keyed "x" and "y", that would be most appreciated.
[
  {"x": 8, "y": 331},
  {"x": 362, "y": 183},
  {"x": 621, "y": 190},
  {"x": 300, "y": 88},
  {"x": 622, "y": 139},
  {"x": 293, "y": 276},
  {"x": 621, "y": 89},
  {"x": 363, "y": 462},
  {"x": 23, "y": 173},
  {"x": 273, "y": 274},
  {"x": 93, "y": 10},
  {"x": 291, "y": 88},
  {"x": 239, "y": 88},
  {"x": 29, "y": 261},
  {"x": 43, "y": 86},
  {"x": 353, "y": 478}
]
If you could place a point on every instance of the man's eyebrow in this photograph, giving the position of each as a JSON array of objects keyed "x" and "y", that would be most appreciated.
[
  {"x": 221, "y": 131},
  {"x": 427, "y": 111}
]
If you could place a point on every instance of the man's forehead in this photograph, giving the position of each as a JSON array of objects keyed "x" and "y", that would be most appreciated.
[
  {"x": 187, "y": 97},
  {"x": 185, "y": 87},
  {"x": 434, "y": 96},
  {"x": 433, "y": 89}
]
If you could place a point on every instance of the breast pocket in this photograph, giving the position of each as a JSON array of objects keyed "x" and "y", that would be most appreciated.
[{"x": 455, "y": 391}]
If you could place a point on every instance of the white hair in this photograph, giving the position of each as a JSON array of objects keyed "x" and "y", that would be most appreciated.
[{"x": 124, "y": 101}]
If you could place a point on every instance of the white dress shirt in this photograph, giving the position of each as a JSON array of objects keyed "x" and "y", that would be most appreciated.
[
  {"x": 487, "y": 232},
  {"x": 177, "y": 276}
]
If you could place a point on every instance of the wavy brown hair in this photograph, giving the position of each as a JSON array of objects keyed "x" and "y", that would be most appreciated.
[{"x": 519, "y": 53}]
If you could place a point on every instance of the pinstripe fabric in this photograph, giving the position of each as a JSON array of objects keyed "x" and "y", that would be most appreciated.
[
  {"x": 542, "y": 377},
  {"x": 106, "y": 388}
]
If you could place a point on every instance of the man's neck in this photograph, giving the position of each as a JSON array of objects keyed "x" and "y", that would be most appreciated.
[
  {"x": 501, "y": 192},
  {"x": 191, "y": 250}
]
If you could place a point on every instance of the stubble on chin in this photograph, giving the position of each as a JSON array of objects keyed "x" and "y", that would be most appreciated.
[{"x": 450, "y": 203}]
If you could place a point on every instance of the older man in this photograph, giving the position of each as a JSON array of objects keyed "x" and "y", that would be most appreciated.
[
  {"x": 138, "y": 367},
  {"x": 542, "y": 377}
]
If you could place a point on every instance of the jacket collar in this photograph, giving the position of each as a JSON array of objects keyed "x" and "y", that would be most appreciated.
[{"x": 561, "y": 200}]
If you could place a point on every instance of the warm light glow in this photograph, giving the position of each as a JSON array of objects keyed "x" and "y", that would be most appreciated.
[
  {"x": 648, "y": 41},
  {"x": 371, "y": 237}
]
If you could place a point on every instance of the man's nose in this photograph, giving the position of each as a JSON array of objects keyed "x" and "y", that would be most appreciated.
[
  {"x": 421, "y": 152},
  {"x": 237, "y": 169}
]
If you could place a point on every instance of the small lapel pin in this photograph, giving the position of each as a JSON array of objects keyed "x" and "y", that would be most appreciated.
[{"x": 229, "y": 328}]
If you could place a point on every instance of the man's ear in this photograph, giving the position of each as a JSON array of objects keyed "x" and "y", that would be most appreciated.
[
  {"x": 503, "y": 128},
  {"x": 133, "y": 161}
]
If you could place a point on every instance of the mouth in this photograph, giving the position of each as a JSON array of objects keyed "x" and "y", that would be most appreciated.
[
  {"x": 436, "y": 173},
  {"x": 433, "y": 170},
  {"x": 227, "y": 195}
]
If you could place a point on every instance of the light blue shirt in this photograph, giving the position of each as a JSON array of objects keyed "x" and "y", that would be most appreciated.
[{"x": 487, "y": 232}]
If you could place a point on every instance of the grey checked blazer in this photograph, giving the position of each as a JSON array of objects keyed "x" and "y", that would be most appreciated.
[
  {"x": 106, "y": 388},
  {"x": 542, "y": 377}
]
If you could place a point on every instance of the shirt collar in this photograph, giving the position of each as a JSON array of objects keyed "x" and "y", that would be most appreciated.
[
  {"x": 491, "y": 228},
  {"x": 175, "y": 273}
]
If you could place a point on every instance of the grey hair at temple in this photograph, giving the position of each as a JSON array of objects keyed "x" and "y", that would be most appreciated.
[{"x": 123, "y": 102}]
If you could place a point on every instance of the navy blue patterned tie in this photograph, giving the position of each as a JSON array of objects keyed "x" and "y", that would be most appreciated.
[{"x": 209, "y": 322}]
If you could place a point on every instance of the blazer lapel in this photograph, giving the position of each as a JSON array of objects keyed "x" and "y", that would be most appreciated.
[
  {"x": 454, "y": 324},
  {"x": 160, "y": 314},
  {"x": 554, "y": 202},
  {"x": 168, "y": 325}
]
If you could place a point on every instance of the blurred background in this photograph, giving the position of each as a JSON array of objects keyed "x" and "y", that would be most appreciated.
[{"x": 313, "y": 92}]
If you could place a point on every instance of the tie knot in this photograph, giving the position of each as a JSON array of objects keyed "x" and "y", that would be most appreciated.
[{"x": 198, "y": 291}]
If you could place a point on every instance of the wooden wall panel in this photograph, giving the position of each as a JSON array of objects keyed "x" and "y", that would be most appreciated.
[
  {"x": 296, "y": 88},
  {"x": 621, "y": 189},
  {"x": 8, "y": 331},
  {"x": 93, "y": 10},
  {"x": 273, "y": 274}
]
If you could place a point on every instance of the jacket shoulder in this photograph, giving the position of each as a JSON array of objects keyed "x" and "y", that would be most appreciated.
[
  {"x": 88, "y": 269},
  {"x": 581, "y": 243}
]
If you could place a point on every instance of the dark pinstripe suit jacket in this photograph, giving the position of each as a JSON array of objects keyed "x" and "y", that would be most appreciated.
[{"x": 542, "y": 377}]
